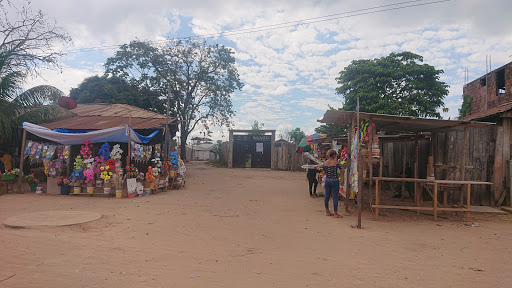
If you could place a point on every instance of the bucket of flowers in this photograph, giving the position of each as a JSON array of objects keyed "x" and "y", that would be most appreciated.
[
  {"x": 32, "y": 182},
  {"x": 63, "y": 182}
]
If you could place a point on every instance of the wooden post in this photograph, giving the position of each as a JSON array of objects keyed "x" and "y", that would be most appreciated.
[
  {"x": 22, "y": 158},
  {"x": 376, "y": 199},
  {"x": 359, "y": 174},
  {"x": 370, "y": 161},
  {"x": 468, "y": 202},
  {"x": 349, "y": 151},
  {"x": 403, "y": 168},
  {"x": 435, "y": 201},
  {"x": 129, "y": 143},
  {"x": 416, "y": 167}
]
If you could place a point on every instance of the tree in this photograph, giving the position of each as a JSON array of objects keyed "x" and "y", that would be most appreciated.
[
  {"x": 396, "y": 84},
  {"x": 28, "y": 106},
  {"x": 105, "y": 89},
  {"x": 296, "y": 135},
  {"x": 28, "y": 38},
  {"x": 200, "y": 78},
  {"x": 331, "y": 131},
  {"x": 465, "y": 109}
]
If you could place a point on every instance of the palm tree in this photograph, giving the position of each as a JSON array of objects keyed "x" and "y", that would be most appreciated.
[{"x": 32, "y": 105}]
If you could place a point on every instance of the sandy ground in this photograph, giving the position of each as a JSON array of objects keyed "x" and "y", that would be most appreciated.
[{"x": 246, "y": 228}]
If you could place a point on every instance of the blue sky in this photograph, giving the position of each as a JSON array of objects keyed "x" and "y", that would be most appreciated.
[{"x": 289, "y": 73}]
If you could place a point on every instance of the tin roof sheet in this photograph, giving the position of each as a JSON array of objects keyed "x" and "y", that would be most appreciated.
[
  {"x": 102, "y": 116},
  {"x": 400, "y": 124}
]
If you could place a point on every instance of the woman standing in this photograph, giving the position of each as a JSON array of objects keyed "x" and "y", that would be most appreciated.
[{"x": 332, "y": 183}]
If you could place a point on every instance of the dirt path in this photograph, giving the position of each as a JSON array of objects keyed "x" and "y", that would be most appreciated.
[{"x": 245, "y": 228}]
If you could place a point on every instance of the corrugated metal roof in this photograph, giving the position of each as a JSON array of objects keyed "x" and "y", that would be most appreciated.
[
  {"x": 102, "y": 116},
  {"x": 402, "y": 124}
]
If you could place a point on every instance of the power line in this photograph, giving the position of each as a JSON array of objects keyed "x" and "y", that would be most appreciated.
[{"x": 296, "y": 23}]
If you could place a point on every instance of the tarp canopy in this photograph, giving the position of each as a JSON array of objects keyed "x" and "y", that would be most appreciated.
[{"x": 115, "y": 134}]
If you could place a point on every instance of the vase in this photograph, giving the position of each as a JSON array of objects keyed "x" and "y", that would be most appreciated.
[
  {"x": 64, "y": 189},
  {"x": 77, "y": 189},
  {"x": 119, "y": 193},
  {"x": 33, "y": 187}
]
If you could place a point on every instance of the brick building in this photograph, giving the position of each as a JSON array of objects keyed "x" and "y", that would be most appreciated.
[
  {"x": 492, "y": 101},
  {"x": 492, "y": 94}
]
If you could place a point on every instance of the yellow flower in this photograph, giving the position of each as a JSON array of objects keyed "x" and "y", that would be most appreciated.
[{"x": 102, "y": 168}]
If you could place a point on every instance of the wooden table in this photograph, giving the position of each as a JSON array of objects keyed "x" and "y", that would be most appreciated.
[{"x": 434, "y": 207}]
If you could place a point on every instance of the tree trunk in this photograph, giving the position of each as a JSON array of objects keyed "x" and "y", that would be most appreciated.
[{"x": 184, "y": 136}]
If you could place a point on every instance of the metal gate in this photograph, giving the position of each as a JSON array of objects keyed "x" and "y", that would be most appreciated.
[{"x": 251, "y": 151}]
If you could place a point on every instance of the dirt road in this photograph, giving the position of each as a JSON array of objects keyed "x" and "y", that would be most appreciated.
[{"x": 245, "y": 228}]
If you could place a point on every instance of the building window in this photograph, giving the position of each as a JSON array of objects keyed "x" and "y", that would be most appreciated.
[
  {"x": 500, "y": 82},
  {"x": 483, "y": 82}
]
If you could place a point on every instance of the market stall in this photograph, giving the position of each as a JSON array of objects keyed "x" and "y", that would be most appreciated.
[
  {"x": 100, "y": 169},
  {"x": 376, "y": 129}
]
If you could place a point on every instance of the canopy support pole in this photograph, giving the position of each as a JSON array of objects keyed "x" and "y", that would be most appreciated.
[{"x": 22, "y": 158}]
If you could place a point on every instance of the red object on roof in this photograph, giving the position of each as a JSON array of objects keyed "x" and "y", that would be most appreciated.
[{"x": 67, "y": 102}]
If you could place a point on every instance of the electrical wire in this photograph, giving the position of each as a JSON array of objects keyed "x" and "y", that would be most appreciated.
[{"x": 296, "y": 23}]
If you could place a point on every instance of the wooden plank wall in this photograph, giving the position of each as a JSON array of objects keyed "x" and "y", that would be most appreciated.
[
  {"x": 286, "y": 157},
  {"x": 448, "y": 150}
]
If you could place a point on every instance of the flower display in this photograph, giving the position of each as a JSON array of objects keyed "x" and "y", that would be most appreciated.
[
  {"x": 140, "y": 177},
  {"x": 86, "y": 150},
  {"x": 157, "y": 165},
  {"x": 62, "y": 181},
  {"x": 150, "y": 175},
  {"x": 132, "y": 171},
  {"x": 111, "y": 164},
  {"x": 175, "y": 159},
  {"x": 98, "y": 162},
  {"x": 104, "y": 151},
  {"x": 31, "y": 179},
  {"x": 79, "y": 162},
  {"x": 116, "y": 152},
  {"x": 89, "y": 176},
  {"x": 105, "y": 174},
  {"x": 76, "y": 175}
]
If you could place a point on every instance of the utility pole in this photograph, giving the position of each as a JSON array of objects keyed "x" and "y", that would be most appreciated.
[{"x": 167, "y": 123}]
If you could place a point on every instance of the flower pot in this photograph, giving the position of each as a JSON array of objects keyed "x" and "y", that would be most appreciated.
[
  {"x": 119, "y": 193},
  {"x": 106, "y": 190},
  {"x": 131, "y": 194},
  {"x": 77, "y": 189},
  {"x": 33, "y": 187},
  {"x": 99, "y": 183},
  {"x": 90, "y": 189},
  {"x": 39, "y": 190},
  {"x": 152, "y": 185},
  {"x": 65, "y": 189},
  {"x": 147, "y": 191}
]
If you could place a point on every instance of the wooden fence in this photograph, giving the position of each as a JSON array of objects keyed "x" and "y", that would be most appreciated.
[
  {"x": 285, "y": 158},
  {"x": 448, "y": 155}
]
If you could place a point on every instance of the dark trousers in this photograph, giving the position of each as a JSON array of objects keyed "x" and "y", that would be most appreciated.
[{"x": 313, "y": 182}]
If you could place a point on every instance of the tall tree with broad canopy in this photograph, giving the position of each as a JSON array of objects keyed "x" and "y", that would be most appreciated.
[
  {"x": 200, "y": 78},
  {"x": 27, "y": 40},
  {"x": 105, "y": 89},
  {"x": 296, "y": 135},
  {"x": 397, "y": 84}
]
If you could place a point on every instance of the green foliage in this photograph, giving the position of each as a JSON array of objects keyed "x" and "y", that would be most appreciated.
[
  {"x": 396, "y": 84},
  {"x": 27, "y": 45},
  {"x": 465, "y": 109},
  {"x": 200, "y": 77},
  {"x": 296, "y": 135},
  {"x": 336, "y": 131},
  {"x": 256, "y": 126},
  {"x": 116, "y": 90}
]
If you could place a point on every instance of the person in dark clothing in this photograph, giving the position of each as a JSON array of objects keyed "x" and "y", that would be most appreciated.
[
  {"x": 313, "y": 181},
  {"x": 407, "y": 185}
]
